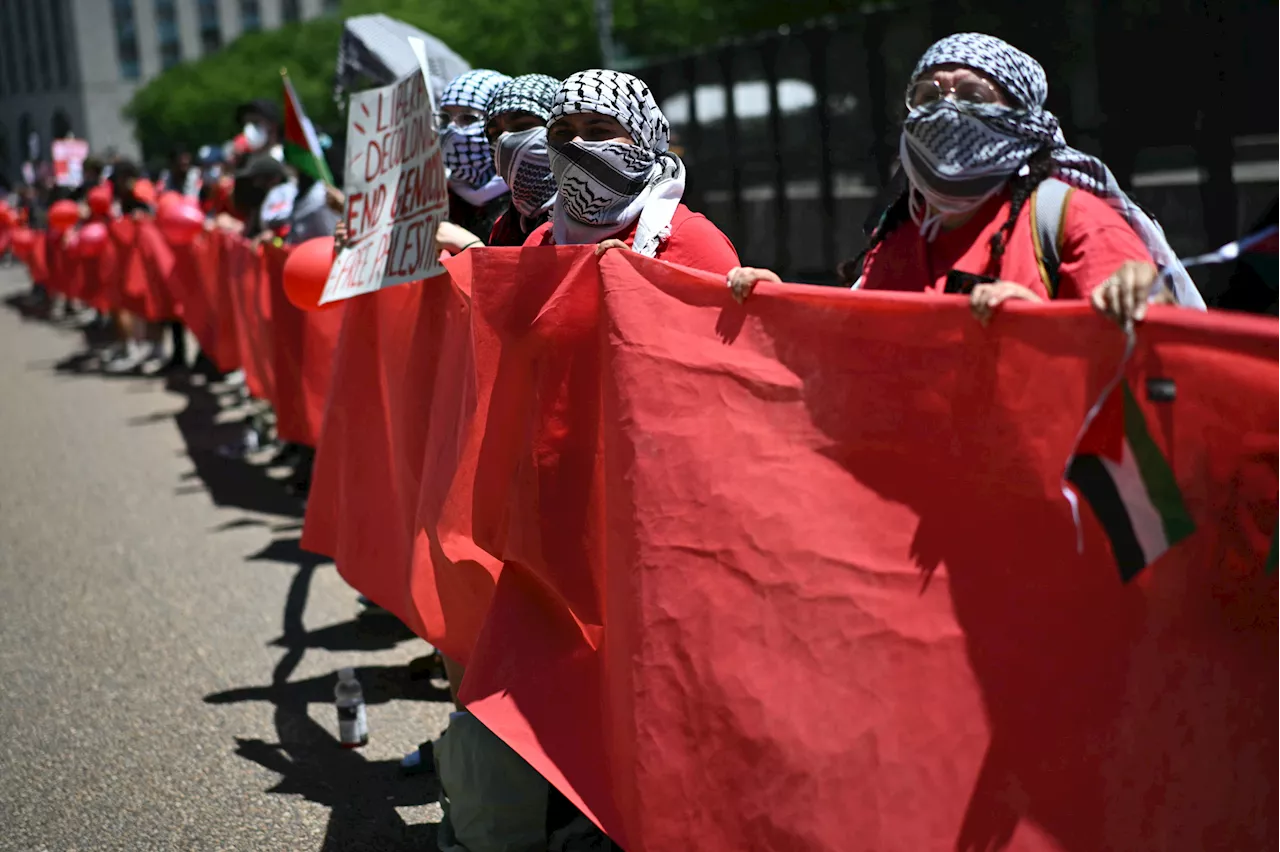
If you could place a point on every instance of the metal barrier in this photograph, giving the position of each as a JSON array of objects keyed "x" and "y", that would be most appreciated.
[{"x": 799, "y": 157}]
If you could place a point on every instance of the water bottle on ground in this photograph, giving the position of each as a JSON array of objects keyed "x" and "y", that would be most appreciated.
[{"x": 353, "y": 724}]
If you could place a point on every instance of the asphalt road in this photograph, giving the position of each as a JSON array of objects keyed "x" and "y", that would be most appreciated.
[{"x": 167, "y": 653}]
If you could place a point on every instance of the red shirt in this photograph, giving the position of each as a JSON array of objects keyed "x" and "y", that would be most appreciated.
[
  {"x": 1095, "y": 242},
  {"x": 694, "y": 242}
]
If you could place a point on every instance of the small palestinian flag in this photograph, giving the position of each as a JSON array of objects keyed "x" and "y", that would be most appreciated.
[
  {"x": 1122, "y": 473},
  {"x": 301, "y": 145}
]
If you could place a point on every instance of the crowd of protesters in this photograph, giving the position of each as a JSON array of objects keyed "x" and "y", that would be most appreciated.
[{"x": 997, "y": 207}]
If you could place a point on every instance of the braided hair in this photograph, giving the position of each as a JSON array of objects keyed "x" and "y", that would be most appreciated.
[{"x": 1039, "y": 168}]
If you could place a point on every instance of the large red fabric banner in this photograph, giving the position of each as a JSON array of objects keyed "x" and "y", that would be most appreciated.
[
  {"x": 302, "y": 356},
  {"x": 800, "y": 575}
]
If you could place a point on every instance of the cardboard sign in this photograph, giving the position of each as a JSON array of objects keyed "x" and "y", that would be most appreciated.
[
  {"x": 68, "y": 161},
  {"x": 396, "y": 191}
]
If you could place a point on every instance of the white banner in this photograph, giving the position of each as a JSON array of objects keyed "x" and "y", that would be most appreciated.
[
  {"x": 396, "y": 191},
  {"x": 68, "y": 161}
]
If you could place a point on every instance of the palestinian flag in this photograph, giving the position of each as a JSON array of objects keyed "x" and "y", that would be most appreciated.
[
  {"x": 1122, "y": 473},
  {"x": 301, "y": 145}
]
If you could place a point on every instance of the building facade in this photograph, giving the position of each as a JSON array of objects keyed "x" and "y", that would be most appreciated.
[{"x": 70, "y": 66}]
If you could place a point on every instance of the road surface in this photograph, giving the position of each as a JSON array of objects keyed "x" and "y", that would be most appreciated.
[{"x": 167, "y": 653}]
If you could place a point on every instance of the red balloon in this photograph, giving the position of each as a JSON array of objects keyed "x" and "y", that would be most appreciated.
[
  {"x": 145, "y": 191},
  {"x": 99, "y": 199},
  {"x": 24, "y": 239},
  {"x": 306, "y": 271},
  {"x": 93, "y": 239},
  {"x": 8, "y": 218},
  {"x": 63, "y": 215},
  {"x": 180, "y": 222},
  {"x": 168, "y": 197}
]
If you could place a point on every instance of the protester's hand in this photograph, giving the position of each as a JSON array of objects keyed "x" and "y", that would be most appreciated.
[
  {"x": 742, "y": 280},
  {"x": 335, "y": 198},
  {"x": 454, "y": 238},
  {"x": 985, "y": 298},
  {"x": 1124, "y": 296},
  {"x": 605, "y": 245},
  {"x": 339, "y": 236},
  {"x": 230, "y": 223}
]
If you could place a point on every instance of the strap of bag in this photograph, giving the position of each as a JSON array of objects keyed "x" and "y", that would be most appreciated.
[{"x": 1048, "y": 218}]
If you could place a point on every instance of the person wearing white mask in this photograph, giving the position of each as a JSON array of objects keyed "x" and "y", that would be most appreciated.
[
  {"x": 987, "y": 169},
  {"x": 260, "y": 126}
]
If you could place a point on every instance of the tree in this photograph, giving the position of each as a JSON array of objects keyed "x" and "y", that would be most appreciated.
[{"x": 193, "y": 104}]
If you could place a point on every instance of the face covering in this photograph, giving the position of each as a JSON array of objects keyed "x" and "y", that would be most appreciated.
[
  {"x": 524, "y": 162},
  {"x": 956, "y": 158},
  {"x": 467, "y": 155},
  {"x": 606, "y": 186},
  {"x": 255, "y": 136}
]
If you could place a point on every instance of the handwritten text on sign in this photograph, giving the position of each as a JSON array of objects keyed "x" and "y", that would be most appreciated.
[{"x": 396, "y": 193}]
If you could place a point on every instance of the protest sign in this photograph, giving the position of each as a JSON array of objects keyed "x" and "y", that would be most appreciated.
[
  {"x": 68, "y": 161},
  {"x": 396, "y": 191}
]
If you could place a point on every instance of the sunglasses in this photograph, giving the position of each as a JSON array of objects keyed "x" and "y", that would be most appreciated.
[
  {"x": 969, "y": 91},
  {"x": 460, "y": 120}
]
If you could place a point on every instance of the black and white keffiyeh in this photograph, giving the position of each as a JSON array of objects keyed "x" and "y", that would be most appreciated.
[
  {"x": 473, "y": 89},
  {"x": 465, "y": 150},
  {"x": 957, "y": 154},
  {"x": 523, "y": 161},
  {"x": 531, "y": 93},
  {"x": 605, "y": 186}
]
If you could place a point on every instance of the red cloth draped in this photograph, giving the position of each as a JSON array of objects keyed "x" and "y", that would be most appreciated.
[
  {"x": 146, "y": 265},
  {"x": 302, "y": 356},
  {"x": 244, "y": 278},
  {"x": 800, "y": 575}
]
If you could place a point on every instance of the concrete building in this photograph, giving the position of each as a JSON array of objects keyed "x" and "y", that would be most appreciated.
[{"x": 70, "y": 66}]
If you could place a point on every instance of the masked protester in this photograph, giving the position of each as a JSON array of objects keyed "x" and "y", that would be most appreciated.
[
  {"x": 980, "y": 152},
  {"x": 516, "y": 129},
  {"x": 477, "y": 196},
  {"x": 260, "y": 127},
  {"x": 618, "y": 184}
]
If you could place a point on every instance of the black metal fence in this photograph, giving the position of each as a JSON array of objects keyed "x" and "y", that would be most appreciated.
[{"x": 1178, "y": 98}]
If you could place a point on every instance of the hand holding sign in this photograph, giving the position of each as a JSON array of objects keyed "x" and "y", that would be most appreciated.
[{"x": 396, "y": 194}]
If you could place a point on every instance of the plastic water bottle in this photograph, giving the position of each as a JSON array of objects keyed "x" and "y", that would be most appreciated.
[{"x": 353, "y": 724}]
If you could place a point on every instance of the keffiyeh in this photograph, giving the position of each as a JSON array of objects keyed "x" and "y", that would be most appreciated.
[
  {"x": 523, "y": 161},
  {"x": 606, "y": 186},
  {"x": 473, "y": 89},
  {"x": 959, "y": 154},
  {"x": 465, "y": 150},
  {"x": 531, "y": 93}
]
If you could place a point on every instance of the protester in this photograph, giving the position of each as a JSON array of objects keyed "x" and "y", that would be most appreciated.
[
  {"x": 977, "y": 146},
  {"x": 182, "y": 176},
  {"x": 619, "y": 185},
  {"x": 517, "y": 132},
  {"x": 260, "y": 122},
  {"x": 477, "y": 195}
]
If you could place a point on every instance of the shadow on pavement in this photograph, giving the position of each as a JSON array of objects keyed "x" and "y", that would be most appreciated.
[
  {"x": 230, "y": 481},
  {"x": 362, "y": 795}
]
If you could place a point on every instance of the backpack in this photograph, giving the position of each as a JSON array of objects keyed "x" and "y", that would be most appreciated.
[{"x": 1048, "y": 219}]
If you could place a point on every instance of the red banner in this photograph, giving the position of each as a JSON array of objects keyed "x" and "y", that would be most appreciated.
[
  {"x": 302, "y": 356},
  {"x": 800, "y": 575}
]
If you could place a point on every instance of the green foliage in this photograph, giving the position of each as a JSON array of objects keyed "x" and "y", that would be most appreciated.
[{"x": 194, "y": 103}]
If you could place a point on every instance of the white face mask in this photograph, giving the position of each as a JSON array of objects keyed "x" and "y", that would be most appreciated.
[{"x": 255, "y": 136}]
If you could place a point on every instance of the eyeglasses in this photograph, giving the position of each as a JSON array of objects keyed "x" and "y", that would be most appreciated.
[
  {"x": 461, "y": 120},
  {"x": 968, "y": 90}
]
